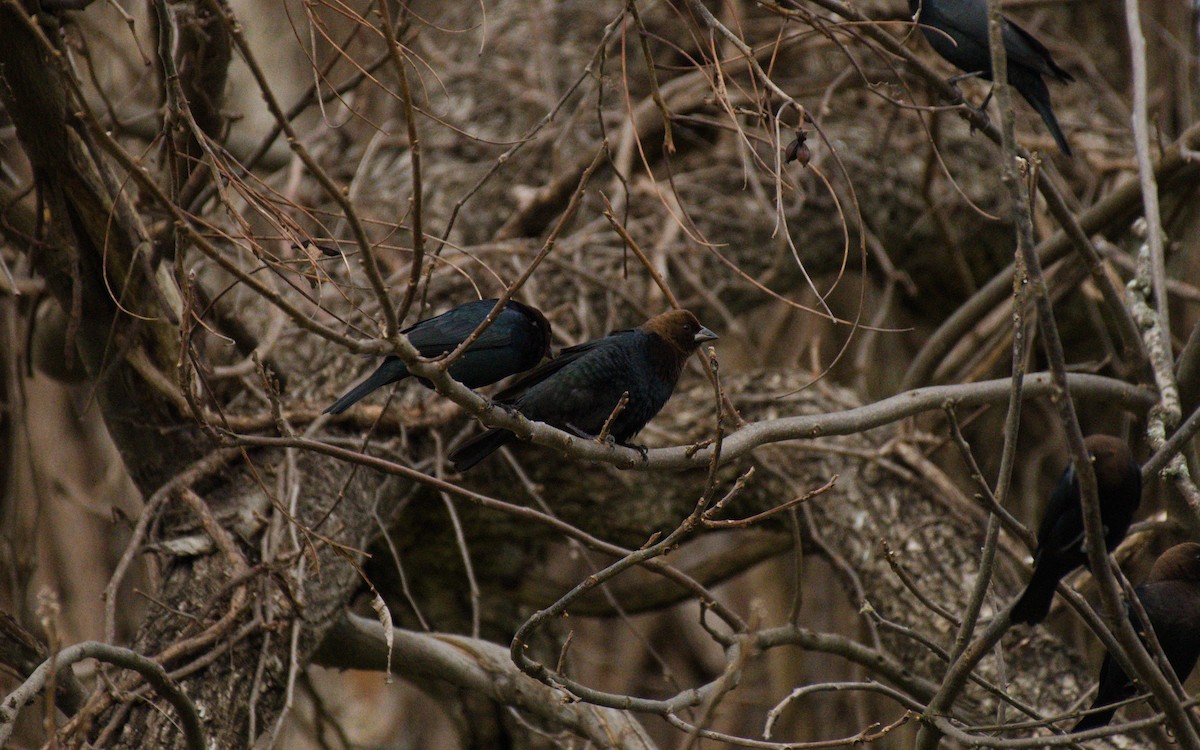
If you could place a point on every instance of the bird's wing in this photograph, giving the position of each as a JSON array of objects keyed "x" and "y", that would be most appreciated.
[
  {"x": 1024, "y": 48},
  {"x": 970, "y": 20},
  {"x": 1058, "y": 511},
  {"x": 1172, "y": 607},
  {"x": 548, "y": 368},
  {"x": 444, "y": 332},
  {"x": 1019, "y": 42},
  {"x": 967, "y": 19}
]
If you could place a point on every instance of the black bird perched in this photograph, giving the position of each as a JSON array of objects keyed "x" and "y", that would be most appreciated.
[
  {"x": 515, "y": 341},
  {"x": 958, "y": 31},
  {"x": 578, "y": 390},
  {"x": 1171, "y": 597},
  {"x": 1060, "y": 537}
]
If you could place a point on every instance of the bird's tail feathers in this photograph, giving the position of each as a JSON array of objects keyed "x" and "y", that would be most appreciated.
[
  {"x": 375, "y": 380},
  {"x": 1034, "y": 604},
  {"x": 1091, "y": 721},
  {"x": 1058, "y": 74},
  {"x": 1043, "y": 109},
  {"x": 1035, "y": 92},
  {"x": 478, "y": 448}
]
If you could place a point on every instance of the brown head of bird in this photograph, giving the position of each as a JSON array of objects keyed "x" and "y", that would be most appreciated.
[
  {"x": 1180, "y": 563},
  {"x": 681, "y": 329},
  {"x": 1110, "y": 458}
]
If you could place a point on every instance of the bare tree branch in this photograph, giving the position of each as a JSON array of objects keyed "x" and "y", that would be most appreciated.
[{"x": 471, "y": 664}]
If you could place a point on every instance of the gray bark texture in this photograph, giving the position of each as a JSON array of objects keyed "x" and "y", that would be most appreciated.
[{"x": 199, "y": 256}]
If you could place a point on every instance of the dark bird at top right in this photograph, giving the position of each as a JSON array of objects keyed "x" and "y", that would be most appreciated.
[
  {"x": 1171, "y": 597},
  {"x": 958, "y": 31},
  {"x": 1060, "y": 540}
]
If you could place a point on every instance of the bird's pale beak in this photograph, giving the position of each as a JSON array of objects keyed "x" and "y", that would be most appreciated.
[{"x": 704, "y": 335}]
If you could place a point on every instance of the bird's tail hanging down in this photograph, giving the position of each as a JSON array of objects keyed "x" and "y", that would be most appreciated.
[
  {"x": 388, "y": 372},
  {"x": 1043, "y": 109},
  {"x": 1034, "y": 604},
  {"x": 479, "y": 447},
  {"x": 1091, "y": 721},
  {"x": 1035, "y": 91}
]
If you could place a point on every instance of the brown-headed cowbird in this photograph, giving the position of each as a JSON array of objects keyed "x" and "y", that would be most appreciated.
[
  {"x": 516, "y": 340},
  {"x": 1060, "y": 537},
  {"x": 579, "y": 390},
  {"x": 957, "y": 30},
  {"x": 1171, "y": 597}
]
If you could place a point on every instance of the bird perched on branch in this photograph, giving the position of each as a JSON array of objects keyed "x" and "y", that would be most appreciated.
[
  {"x": 958, "y": 31},
  {"x": 516, "y": 340},
  {"x": 1060, "y": 537},
  {"x": 1171, "y": 597},
  {"x": 620, "y": 381}
]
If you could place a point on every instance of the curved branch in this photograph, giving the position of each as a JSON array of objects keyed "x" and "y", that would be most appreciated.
[
  {"x": 479, "y": 666},
  {"x": 879, "y": 662},
  {"x": 23, "y": 652},
  {"x": 122, "y": 657},
  {"x": 750, "y": 437}
]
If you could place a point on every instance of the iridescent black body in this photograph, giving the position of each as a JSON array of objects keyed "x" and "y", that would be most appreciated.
[
  {"x": 1171, "y": 597},
  {"x": 957, "y": 30},
  {"x": 1060, "y": 537},
  {"x": 578, "y": 390},
  {"x": 516, "y": 340}
]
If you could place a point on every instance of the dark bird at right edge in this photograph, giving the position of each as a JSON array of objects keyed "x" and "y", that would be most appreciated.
[
  {"x": 516, "y": 340},
  {"x": 1060, "y": 547},
  {"x": 579, "y": 390},
  {"x": 1171, "y": 597},
  {"x": 958, "y": 31}
]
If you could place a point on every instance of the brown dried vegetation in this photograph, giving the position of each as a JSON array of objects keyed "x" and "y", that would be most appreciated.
[{"x": 216, "y": 216}]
